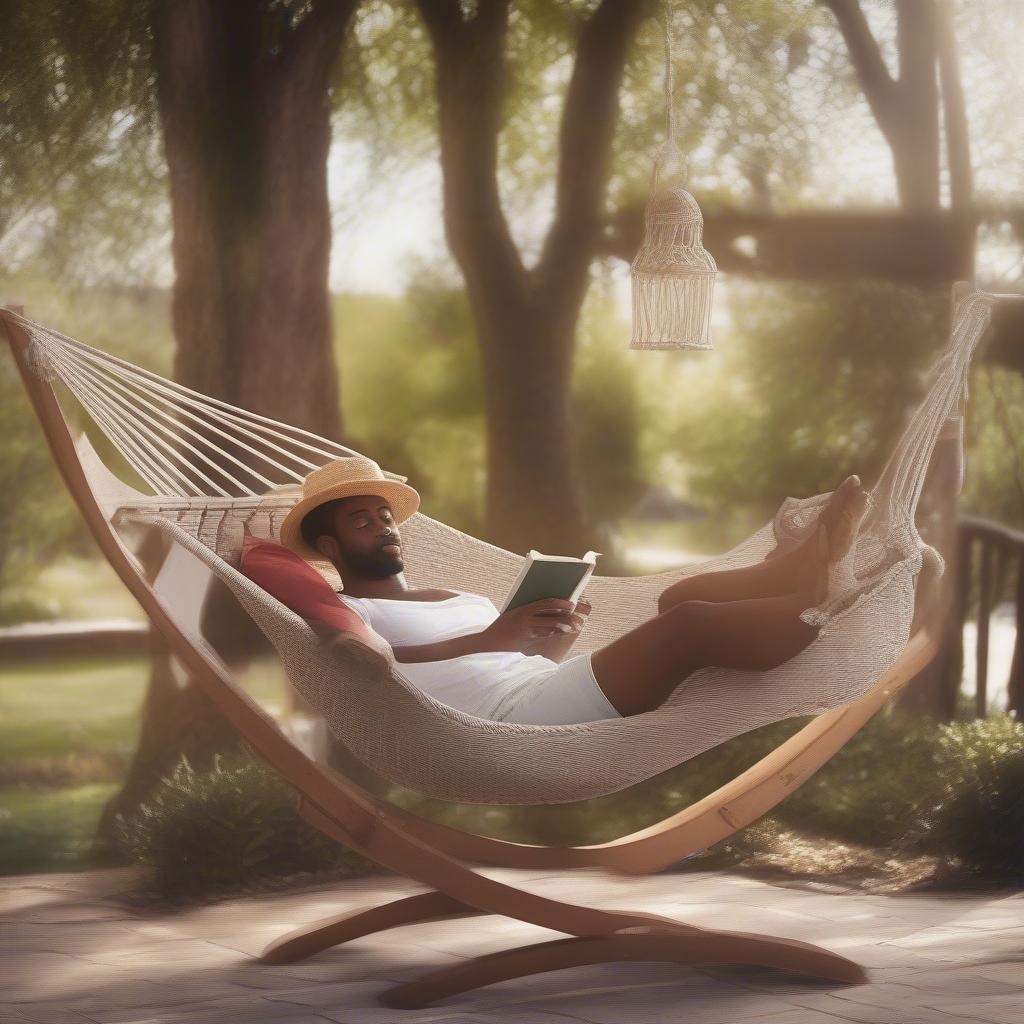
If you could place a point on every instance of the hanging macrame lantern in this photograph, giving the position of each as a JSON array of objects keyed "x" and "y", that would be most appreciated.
[{"x": 673, "y": 274}]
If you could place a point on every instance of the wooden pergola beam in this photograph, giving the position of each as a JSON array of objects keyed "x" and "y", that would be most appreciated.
[
  {"x": 928, "y": 248},
  {"x": 923, "y": 248}
]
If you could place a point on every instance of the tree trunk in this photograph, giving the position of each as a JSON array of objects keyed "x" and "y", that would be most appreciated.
[
  {"x": 906, "y": 108},
  {"x": 933, "y": 691},
  {"x": 532, "y": 498},
  {"x": 526, "y": 319},
  {"x": 244, "y": 102},
  {"x": 247, "y": 134},
  {"x": 913, "y": 129}
]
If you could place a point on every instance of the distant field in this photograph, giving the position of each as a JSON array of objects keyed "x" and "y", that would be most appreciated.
[
  {"x": 50, "y": 830},
  {"x": 73, "y": 706},
  {"x": 75, "y": 720}
]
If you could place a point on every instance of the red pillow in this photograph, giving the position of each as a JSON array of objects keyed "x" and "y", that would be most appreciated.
[{"x": 296, "y": 584}]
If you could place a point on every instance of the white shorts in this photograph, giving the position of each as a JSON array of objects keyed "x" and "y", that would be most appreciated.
[{"x": 561, "y": 696}]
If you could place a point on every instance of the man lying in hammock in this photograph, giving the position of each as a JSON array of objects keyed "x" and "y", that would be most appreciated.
[{"x": 455, "y": 646}]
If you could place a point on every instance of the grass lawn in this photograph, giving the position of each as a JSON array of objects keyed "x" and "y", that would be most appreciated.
[
  {"x": 70, "y": 706},
  {"x": 77, "y": 719},
  {"x": 50, "y": 830}
]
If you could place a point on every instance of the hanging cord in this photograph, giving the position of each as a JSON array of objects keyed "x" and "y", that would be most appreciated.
[
  {"x": 670, "y": 119},
  {"x": 669, "y": 152}
]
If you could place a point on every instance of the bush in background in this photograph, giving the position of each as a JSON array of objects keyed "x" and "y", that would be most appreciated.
[
  {"x": 978, "y": 814},
  {"x": 956, "y": 791},
  {"x": 952, "y": 790},
  {"x": 234, "y": 829}
]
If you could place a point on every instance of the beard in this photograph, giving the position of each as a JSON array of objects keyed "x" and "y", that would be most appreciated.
[{"x": 376, "y": 564}]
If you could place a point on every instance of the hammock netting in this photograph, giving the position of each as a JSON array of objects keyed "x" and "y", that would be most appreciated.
[{"x": 214, "y": 472}]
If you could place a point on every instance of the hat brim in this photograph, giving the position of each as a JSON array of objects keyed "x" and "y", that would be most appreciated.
[{"x": 403, "y": 499}]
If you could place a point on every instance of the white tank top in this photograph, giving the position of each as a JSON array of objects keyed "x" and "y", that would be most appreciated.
[{"x": 473, "y": 683}]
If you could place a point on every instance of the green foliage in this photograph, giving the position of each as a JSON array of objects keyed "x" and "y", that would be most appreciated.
[
  {"x": 816, "y": 383},
  {"x": 978, "y": 812},
  {"x": 51, "y": 830},
  {"x": 745, "y": 116},
  {"x": 413, "y": 398},
  {"x": 994, "y": 470},
  {"x": 81, "y": 166},
  {"x": 32, "y": 525},
  {"x": 38, "y": 519},
  {"x": 953, "y": 789},
  {"x": 609, "y": 414},
  {"x": 869, "y": 791},
  {"x": 412, "y": 392},
  {"x": 206, "y": 834}
]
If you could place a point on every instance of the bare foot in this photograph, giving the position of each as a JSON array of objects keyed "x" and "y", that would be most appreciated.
[
  {"x": 831, "y": 538},
  {"x": 837, "y": 526}
]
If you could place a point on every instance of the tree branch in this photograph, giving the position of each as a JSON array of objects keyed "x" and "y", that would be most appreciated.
[
  {"x": 316, "y": 41},
  {"x": 442, "y": 18},
  {"x": 469, "y": 57},
  {"x": 879, "y": 87},
  {"x": 924, "y": 248},
  {"x": 588, "y": 124},
  {"x": 958, "y": 144}
]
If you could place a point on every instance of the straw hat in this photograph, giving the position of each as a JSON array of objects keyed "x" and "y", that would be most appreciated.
[{"x": 341, "y": 479}]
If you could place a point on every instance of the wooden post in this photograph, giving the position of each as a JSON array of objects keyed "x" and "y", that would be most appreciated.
[
  {"x": 934, "y": 692},
  {"x": 953, "y": 626},
  {"x": 984, "y": 615},
  {"x": 1015, "y": 694}
]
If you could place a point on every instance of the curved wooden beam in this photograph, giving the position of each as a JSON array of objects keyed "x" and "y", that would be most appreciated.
[
  {"x": 690, "y": 947},
  {"x": 309, "y": 939}
]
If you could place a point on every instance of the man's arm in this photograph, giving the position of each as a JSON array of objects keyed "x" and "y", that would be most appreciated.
[
  {"x": 513, "y": 630},
  {"x": 456, "y": 647}
]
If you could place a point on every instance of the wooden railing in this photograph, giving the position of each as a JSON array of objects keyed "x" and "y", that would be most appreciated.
[
  {"x": 990, "y": 566},
  {"x": 39, "y": 641}
]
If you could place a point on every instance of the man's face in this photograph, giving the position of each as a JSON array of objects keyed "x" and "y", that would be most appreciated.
[{"x": 366, "y": 540}]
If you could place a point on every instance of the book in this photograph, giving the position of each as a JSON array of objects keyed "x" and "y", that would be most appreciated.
[{"x": 545, "y": 576}]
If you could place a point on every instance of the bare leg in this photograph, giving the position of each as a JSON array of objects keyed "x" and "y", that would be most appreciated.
[
  {"x": 784, "y": 574},
  {"x": 639, "y": 670},
  {"x": 803, "y": 568}
]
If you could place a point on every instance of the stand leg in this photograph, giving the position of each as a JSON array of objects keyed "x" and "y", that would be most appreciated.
[
  {"x": 685, "y": 947},
  {"x": 330, "y": 931}
]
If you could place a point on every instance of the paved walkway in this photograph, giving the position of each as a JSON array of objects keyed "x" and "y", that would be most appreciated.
[{"x": 72, "y": 953}]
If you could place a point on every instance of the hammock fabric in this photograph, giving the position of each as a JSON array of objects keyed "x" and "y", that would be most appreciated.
[{"x": 218, "y": 473}]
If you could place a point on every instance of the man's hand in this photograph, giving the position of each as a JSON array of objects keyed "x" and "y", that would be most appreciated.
[
  {"x": 562, "y": 636},
  {"x": 519, "y": 628}
]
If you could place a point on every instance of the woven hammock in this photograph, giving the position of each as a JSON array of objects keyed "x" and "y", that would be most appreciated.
[{"x": 215, "y": 472}]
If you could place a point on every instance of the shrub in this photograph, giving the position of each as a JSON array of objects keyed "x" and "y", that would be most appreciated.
[
  {"x": 233, "y": 829},
  {"x": 874, "y": 785},
  {"x": 978, "y": 815},
  {"x": 915, "y": 786}
]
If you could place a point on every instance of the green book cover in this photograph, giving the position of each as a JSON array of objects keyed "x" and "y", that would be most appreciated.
[{"x": 544, "y": 576}]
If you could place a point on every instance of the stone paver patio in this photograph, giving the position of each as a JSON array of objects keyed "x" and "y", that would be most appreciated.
[{"x": 72, "y": 953}]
